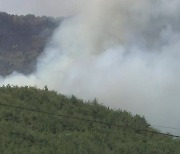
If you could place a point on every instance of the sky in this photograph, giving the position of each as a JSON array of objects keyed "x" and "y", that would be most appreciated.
[{"x": 39, "y": 7}]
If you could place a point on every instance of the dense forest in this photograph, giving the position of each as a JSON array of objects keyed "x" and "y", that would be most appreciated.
[
  {"x": 30, "y": 129},
  {"x": 22, "y": 39}
]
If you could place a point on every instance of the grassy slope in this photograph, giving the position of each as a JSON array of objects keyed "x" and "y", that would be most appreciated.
[{"x": 24, "y": 131}]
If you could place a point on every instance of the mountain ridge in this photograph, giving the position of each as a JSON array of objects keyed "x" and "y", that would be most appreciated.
[{"x": 22, "y": 40}]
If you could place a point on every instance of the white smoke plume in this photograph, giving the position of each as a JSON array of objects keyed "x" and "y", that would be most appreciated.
[{"x": 126, "y": 53}]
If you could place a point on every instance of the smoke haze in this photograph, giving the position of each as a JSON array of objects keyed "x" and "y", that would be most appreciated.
[{"x": 123, "y": 52}]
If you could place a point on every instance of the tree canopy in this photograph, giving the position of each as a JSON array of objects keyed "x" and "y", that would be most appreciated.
[{"x": 24, "y": 131}]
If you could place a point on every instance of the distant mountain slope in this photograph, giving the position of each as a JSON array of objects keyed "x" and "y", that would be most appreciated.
[
  {"x": 23, "y": 131},
  {"x": 22, "y": 39}
]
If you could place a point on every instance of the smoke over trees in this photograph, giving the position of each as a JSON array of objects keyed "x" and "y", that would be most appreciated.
[{"x": 123, "y": 52}]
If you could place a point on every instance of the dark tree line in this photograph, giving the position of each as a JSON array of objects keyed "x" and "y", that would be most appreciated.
[{"x": 22, "y": 39}]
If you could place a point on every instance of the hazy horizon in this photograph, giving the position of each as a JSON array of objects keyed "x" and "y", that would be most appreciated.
[{"x": 39, "y": 7}]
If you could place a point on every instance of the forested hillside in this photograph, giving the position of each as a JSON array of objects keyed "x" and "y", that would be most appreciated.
[
  {"x": 22, "y": 39},
  {"x": 27, "y": 130}
]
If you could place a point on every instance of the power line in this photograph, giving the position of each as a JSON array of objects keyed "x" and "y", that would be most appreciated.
[
  {"x": 88, "y": 120},
  {"x": 153, "y": 125}
]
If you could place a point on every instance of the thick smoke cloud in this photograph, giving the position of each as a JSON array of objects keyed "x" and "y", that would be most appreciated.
[{"x": 123, "y": 52}]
